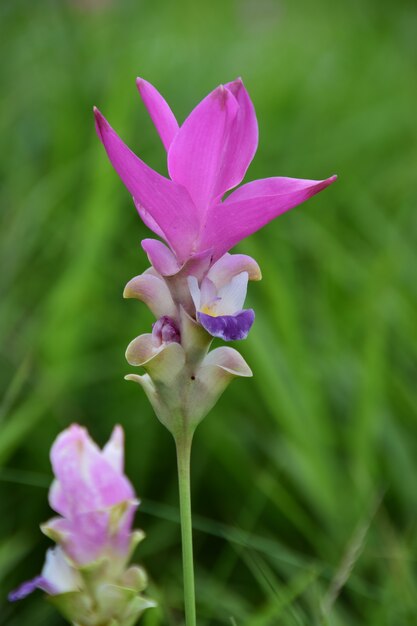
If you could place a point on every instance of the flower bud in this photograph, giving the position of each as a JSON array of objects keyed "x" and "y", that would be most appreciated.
[
  {"x": 165, "y": 330},
  {"x": 86, "y": 575}
]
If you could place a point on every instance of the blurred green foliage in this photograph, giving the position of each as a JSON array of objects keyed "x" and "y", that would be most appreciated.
[{"x": 304, "y": 480}]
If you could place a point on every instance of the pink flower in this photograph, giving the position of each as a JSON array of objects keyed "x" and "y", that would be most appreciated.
[
  {"x": 95, "y": 500},
  {"x": 207, "y": 156},
  {"x": 86, "y": 574}
]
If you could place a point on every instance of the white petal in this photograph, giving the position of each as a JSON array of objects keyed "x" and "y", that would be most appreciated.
[
  {"x": 233, "y": 295},
  {"x": 194, "y": 291},
  {"x": 208, "y": 292},
  {"x": 57, "y": 571}
]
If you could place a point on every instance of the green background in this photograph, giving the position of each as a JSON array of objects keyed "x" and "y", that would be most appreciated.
[{"x": 304, "y": 477}]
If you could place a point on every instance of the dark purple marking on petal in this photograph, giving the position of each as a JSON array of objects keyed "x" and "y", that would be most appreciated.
[
  {"x": 39, "y": 582},
  {"x": 228, "y": 327},
  {"x": 166, "y": 330}
]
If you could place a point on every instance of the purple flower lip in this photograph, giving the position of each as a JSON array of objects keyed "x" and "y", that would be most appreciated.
[{"x": 228, "y": 327}]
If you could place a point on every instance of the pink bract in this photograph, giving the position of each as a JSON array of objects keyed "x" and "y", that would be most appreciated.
[{"x": 207, "y": 156}]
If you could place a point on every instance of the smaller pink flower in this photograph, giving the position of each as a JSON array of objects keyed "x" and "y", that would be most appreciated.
[
  {"x": 96, "y": 504},
  {"x": 95, "y": 500}
]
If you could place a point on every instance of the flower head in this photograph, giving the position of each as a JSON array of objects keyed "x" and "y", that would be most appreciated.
[
  {"x": 195, "y": 288},
  {"x": 207, "y": 156},
  {"x": 96, "y": 504}
]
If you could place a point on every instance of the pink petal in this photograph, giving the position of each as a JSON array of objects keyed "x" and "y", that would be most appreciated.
[
  {"x": 168, "y": 204},
  {"x": 92, "y": 534},
  {"x": 159, "y": 110},
  {"x": 148, "y": 220},
  {"x": 113, "y": 451},
  {"x": 58, "y": 500},
  {"x": 242, "y": 141},
  {"x": 161, "y": 257},
  {"x": 195, "y": 157},
  {"x": 252, "y": 206},
  {"x": 87, "y": 479}
]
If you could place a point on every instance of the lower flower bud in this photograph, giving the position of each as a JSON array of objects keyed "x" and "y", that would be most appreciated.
[{"x": 87, "y": 575}]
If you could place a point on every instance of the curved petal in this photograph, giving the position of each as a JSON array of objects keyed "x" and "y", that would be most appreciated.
[
  {"x": 163, "y": 413},
  {"x": 162, "y": 364},
  {"x": 229, "y": 360},
  {"x": 278, "y": 186},
  {"x": 148, "y": 220},
  {"x": 223, "y": 270},
  {"x": 216, "y": 372},
  {"x": 153, "y": 291},
  {"x": 242, "y": 141},
  {"x": 195, "y": 157},
  {"x": 228, "y": 327},
  {"x": 252, "y": 206},
  {"x": 161, "y": 257},
  {"x": 159, "y": 110},
  {"x": 141, "y": 350},
  {"x": 168, "y": 203}
]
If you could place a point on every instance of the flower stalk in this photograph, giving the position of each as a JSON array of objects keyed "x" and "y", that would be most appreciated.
[{"x": 183, "y": 447}]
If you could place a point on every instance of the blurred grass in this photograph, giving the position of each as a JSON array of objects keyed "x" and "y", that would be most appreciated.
[{"x": 288, "y": 465}]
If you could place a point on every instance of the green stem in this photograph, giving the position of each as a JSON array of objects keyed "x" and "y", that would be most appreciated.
[{"x": 183, "y": 445}]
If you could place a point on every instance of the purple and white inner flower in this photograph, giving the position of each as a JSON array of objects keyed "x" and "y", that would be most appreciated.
[
  {"x": 220, "y": 310},
  {"x": 57, "y": 577}
]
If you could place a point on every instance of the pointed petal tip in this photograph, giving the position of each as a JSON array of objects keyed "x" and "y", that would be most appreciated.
[
  {"x": 118, "y": 434},
  {"x": 236, "y": 82},
  {"x": 101, "y": 122},
  {"x": 320, "y": 185},
  {"x": 222, "y": 93}
]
